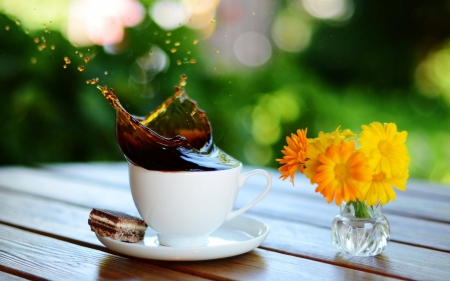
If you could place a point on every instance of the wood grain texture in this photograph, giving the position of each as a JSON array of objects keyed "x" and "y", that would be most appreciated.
[
  {"x": 116, "y": 173},
  {"x": 433, "y": 198},
  {"x": 41, "y": 200},
  {"x": 49, "y": 258},
  {"x": 67, "y": 221},
  {"x": 8, "y": 277},
  {"x": 44, "y": 257},
  {"x": 399, "y": 260},
  {"x": 285, "y": 202}
]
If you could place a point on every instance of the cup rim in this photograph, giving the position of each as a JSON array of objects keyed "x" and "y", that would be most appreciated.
[{"x": 183, "y": 172}]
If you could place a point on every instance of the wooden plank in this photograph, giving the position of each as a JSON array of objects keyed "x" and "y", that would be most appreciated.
[
  {"x": 8, "y": 277},
  {"x": 51, "y": 185},
  {"x": 284, "y": 204},
  {"x": 429, "y": 196},
  {"x": 400, "y": 260},
  {"x": 266, "y": 265},
  {"x": 117, "y": 173},
  {"x": 44, "y": 215},
  {"x": 48, "y": 258},
  {"x": 69, "y": 222}
]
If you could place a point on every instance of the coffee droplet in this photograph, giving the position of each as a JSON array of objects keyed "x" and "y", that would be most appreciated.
[
  {"x": 217, "y": 51},
  {"x": 92, "y": 81},
  {"x": 169, "y": 33},
  {"x": 80, "y": 55},
  {"x": 195, "y": 41},
  {"x": 7, "y": 27},
  {"x": 18, "y": 22},
  {"x": 86, "y": 59},
  {"x": 177, "y": 44},
  {"x": 81, "y": 68},
  {"x": 106, "y": 72},
  {"x": 178, "y": 62},
  {"x": 65, "y": 66},
  {"x": 36, "y": 40},
  {"x": 67, "y": 60},
  {"x": 173, "y": 50},
  {"x": 52, "y": 47},
  {"x": 188, "y": 52},
  {"x": 167, "y": 41},
  {"x": 192, "y": 61}
]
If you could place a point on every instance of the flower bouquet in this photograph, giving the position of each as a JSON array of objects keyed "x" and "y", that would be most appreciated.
[{"x": 360, "y": 180}]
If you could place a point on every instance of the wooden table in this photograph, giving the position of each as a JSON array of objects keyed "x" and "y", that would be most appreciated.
[{"x": 44, "y": 232}]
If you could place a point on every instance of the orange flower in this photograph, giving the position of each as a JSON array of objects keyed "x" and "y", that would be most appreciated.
[
  {"x": 294, "y": 155},
  {"x": 319, "y": 145},
  {"x": 340, "y": 171}
]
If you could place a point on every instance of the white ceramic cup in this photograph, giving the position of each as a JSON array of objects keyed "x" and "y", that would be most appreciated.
[{"x": 185, "y": 207}]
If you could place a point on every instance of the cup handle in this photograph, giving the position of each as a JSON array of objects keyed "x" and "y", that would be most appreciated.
[{"x": 242, "y": 180}]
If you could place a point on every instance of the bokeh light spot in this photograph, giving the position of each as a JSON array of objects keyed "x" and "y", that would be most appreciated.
[
  {"x": 149, "y": 65},
  {"x": 432, "y": 74},
  {"x": 329, "y": 9},
  {"x": 257, "y": 154},
  {"x": 252, "y": 49},
  {"x": 169, "y": 14},
  {"x": 290, "y": 33}
]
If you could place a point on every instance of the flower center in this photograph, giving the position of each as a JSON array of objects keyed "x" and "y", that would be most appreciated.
[
  {"x": 340, "y": 172},
  {"x": 384, "y": 146},
  {"x": 379, "y": 177}
]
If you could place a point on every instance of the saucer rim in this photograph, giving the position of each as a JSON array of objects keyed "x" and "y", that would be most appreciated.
[{"x": 158, "y": 252}]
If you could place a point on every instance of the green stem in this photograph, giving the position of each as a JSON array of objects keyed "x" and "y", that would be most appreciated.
[{"x": 360, "y": 209}]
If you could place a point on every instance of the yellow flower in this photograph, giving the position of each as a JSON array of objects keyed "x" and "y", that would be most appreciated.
[
  {"x": 380, "y": 187},
  {"x": 294, "y": 155},
  {"x": 340, "y": 171},
  {"x": 385, "y": 147},
  {"x": 319, "y": 145}
]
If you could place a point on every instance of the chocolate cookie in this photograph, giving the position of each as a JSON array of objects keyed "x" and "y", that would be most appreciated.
[{"x": 117, "y": 225}]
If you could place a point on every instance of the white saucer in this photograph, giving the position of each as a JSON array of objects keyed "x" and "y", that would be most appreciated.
[{"x": 234, "y": 237}]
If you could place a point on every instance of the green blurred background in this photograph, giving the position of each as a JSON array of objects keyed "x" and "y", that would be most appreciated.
[{"x": 262, "y": 70}]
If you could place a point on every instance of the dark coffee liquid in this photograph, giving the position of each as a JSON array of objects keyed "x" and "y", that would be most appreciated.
[{"x": 176, "y": 136}]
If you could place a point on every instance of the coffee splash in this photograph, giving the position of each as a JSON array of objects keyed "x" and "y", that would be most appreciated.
[{"x": 176, "y": 136}]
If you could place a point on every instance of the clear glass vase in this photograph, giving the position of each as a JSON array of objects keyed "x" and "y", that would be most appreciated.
[{"x": 360, "y": 230}]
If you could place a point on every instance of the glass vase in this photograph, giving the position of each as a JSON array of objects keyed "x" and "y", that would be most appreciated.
[{"x": 360, "y": 230}]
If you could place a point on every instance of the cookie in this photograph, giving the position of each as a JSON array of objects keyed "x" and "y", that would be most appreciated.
[{"x": 117, "y": 225}]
